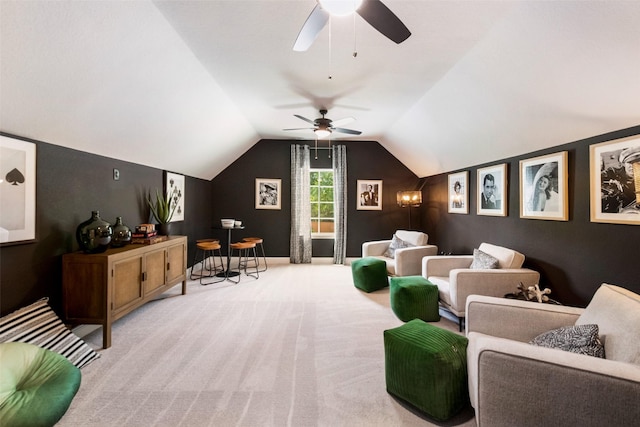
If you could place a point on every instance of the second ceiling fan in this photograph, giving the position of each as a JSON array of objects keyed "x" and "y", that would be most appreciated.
[
  {"x": 374, "y": 12},
  {"x": 323, "y": 126}
]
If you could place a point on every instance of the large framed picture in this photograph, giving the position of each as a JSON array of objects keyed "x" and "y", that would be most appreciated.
[
  {"x": 458, "y": 193},
  {"x": 369, "y": 195},
  {"x": 17, "y": 191},
  {"x": 543, "y": 187},
  {"x": 615, "y": 181},
  {"x": 492, "y": 190},
  {"x": 268, "y": 193},
  {"x": 174, "y": 187}
]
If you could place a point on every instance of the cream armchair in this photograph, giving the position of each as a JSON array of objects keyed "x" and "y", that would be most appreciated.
[
  {"x": 406, "y": 261},
  {"x": 514, "y": 383},
  {"x": 456, "y": 280}
]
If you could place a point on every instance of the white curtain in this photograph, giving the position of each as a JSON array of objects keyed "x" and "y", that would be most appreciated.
[
  {"x": 340, "y": 203},
  {"x": 300, "y": 239}
]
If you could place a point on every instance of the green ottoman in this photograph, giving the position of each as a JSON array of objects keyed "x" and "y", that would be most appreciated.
[
  {"x": 369, "y": 274},
  {"x": 414, "y": 297},
  {"x": 426, "y": 366},
  {"x": 36, "y": 386}
]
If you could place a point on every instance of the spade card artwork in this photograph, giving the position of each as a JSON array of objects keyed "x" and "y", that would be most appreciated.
[{"x": 17, "y": 190}]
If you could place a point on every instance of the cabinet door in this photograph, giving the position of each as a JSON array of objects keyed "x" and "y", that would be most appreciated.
[
  {"x": 154, "y": 270},
  {"x": 175, "y": 263},
  {"x": 127, "y": 280}
]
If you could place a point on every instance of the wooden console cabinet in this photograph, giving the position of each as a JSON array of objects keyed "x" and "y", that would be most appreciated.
[{"x": 101, "y": 288}]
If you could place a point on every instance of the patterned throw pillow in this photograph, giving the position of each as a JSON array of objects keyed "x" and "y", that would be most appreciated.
[
  {"x": 396, "y": 243},
  {"x": 581, "y": 339},
  {"x": 38, "y": 324},
  {"x": 483, "y": 261}
]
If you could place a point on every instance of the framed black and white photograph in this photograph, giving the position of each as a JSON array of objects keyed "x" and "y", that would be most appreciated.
[
  {"x": 543, "y": 187},
  {"x": 369, "y": 195},
  {"x": 268, "y": 193},
  {"x": 615, "y": 181},
  {"x": 492, "y": 190},
  {"x": 459, "y": 193},
  {"x": 17, "y": 191},
  {"x": 174, "y": 187}
]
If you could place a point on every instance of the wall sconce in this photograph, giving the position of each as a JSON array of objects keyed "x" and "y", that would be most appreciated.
[{"x": 410, "y": 199}]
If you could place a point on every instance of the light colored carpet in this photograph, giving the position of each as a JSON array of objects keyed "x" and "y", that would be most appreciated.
[{"x": 301, "y": 346}]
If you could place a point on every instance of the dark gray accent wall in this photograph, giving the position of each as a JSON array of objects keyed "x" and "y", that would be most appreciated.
[
  {"x": 233, "y": 191},
  {"x": 573, "y": 257}
]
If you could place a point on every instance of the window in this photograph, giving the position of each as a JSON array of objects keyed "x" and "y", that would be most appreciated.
[{"x": 322, "y": 218}]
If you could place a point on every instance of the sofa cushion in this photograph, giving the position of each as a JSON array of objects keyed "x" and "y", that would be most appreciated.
[
  {"x": 396, "y": 243},
  {"x": 616, "y": 311},
  {"x": 483, "y": 261},
  {"x": 507, "y": 258},
  {"x": 581, "y": 339},
  {"x": 416, "y": 238}
]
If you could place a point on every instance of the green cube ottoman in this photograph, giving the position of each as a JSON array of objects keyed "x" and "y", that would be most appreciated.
[
  {"x": 369, "y": 274},
  {"x": 414, "y": 297},
  {"x": 426, "y": 366}
]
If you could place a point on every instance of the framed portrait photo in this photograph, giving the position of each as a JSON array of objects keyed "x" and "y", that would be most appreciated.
[
  {"x": 369, "y": 195},
  {"x": 615, "y": 181},
  {"x": 458, "y": 201},
  {"x": 544, "y": 187},
  {"x": 492, "y": 190},
  {"x": 268, "y": 193},
  {"x": 174, "y": 186},
  {"x": 17, "y": 191}
]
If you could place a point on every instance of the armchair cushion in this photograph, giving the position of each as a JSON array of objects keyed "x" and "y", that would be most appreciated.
[
  {"x": 396, "y": 243},
  {"x": 483, "y": 261},
  {"x": 581, "y": 339},
  {"x": 616, "y": 311},
  {"x": 507, "y": 258}
]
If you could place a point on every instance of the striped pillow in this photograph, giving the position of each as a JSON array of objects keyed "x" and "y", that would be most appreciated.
[{"x": 38, "y": 324}]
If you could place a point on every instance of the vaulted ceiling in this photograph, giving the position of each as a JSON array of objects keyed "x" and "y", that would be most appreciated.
[{"x": 188, "y": 86}]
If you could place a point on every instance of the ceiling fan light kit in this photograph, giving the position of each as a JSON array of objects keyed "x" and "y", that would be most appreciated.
[{"x": 340, "y": 7}]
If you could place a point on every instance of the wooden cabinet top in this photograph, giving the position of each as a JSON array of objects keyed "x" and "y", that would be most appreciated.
[{"x": 131, "y": 249}]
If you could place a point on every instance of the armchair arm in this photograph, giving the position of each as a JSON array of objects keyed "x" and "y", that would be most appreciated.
[
  {"x": 515, "y": 319},
  {"x": 440, "y": 266},
  {"x": 375, "y": 248},
  {"x": 493, "y": 282},
  {"x": 513, "y": 383},
  {"x": 409, "y": 260}
]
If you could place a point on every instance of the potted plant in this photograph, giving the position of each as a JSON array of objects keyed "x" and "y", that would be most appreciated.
[{"x": 163, "y": 208}]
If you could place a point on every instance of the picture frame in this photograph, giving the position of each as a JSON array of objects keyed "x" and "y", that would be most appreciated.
[
  {"x": 174, "y": 186},
  {"x": 614, "y": 192},
  {"x": 268, "y": 193},
  {"x": 544, "y": 187},
  {"x": 17, "y": 191},
  {"x": 369, "y": 195},
  {"x": 458, "y": 200},
  {"x": 494, "y": 201}
]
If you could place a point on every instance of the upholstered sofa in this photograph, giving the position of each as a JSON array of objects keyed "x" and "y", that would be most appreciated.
[
  {"x": 407, "y": 250},
  {"x": 456, "y": 280},
  {"x": 514, "y": 383}
]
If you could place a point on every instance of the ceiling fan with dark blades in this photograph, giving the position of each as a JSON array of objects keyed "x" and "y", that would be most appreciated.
[
  {"x": 323, "y": 126},
  {"x": 374, "y": 12}
]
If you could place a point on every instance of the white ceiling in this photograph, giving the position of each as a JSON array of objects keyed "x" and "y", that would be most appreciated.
[{"x": 188, "y": 86}]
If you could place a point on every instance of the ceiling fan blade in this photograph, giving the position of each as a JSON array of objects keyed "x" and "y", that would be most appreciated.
[
  {"x": 311, "y": 28},
  {"x": 299, "y": 129},
  {"x": 349, "y": 131},
  {"x": 343, "y": 121},
  {"x": 305, "y": 119},
  {"x": 384, "y": 20}
]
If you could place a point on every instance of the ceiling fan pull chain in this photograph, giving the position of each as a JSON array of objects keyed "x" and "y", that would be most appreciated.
[
  {"x": 330, "y": 53},
  {"x": 316, "y": 148},
  {"x": 355, "y": 39}
]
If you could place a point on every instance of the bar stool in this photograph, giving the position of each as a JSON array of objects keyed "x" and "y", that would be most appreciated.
[
  {"x": 244, "y": 250},
  {"x": 199, "y": 251},
  {"x": 258, "y": 241},
  {"x": 209, "y": 254}
]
